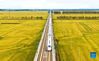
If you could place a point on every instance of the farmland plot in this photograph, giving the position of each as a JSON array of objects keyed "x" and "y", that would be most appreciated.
[
  {"x": 20, "y": 32},
  {"x": 18, "y": 42},
  {"x": 75, "y": 39},
  {"x": 23, "y": 15}
]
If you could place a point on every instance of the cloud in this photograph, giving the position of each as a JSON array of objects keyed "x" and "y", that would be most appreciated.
[{"x": 48, "y": 4}]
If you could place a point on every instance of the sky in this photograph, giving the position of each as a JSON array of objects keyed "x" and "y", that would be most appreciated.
[{"x": 49, "y": 4}]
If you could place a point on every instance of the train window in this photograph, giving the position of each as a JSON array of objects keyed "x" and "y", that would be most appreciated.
[{"x": 49, "y": 46}]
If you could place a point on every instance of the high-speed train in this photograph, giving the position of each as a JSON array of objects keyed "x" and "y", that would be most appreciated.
[
  {"x": 49, "y": 43},
  {"x": 49, "y": 47}
]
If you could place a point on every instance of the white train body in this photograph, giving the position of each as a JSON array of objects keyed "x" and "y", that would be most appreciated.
[
  {"x": 49, "y": 43},
  {"x": 49, "y": 47}
]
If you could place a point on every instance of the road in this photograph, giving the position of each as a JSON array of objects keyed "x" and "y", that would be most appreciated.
[{"x": 45, "y": 55}]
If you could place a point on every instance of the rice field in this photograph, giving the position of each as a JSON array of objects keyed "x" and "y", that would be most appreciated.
[
  {"x": 19, "y": 38},
  {"x": 74, "y": 15},
  {"x": 27, "y": 15},
  {"x": 75, "y": 39}
]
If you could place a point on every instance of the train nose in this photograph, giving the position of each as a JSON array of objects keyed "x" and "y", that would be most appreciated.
[{"x": 49, "y": 48}]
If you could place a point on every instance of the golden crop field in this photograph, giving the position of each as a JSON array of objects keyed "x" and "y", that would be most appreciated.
[
  {"x": 23, "y": 14},
  {"x": 74, "y": 15},
  {"x": 76, "y": 39},
  {"x": 19, "y": 38}
]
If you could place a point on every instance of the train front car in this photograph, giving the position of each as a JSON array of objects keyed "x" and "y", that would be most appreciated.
[{"x": 49, "y": 47}]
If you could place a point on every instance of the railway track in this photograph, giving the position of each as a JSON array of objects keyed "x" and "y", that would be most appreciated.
[{"x": 43, "y": 53}]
